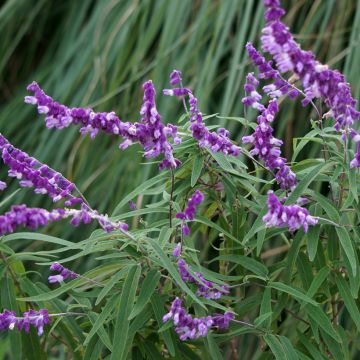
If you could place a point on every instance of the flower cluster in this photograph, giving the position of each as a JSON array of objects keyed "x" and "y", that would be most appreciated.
[
  {"x": 33, "y": 173},
  {"x": 294, "y": 216},
  {"x": 216, "y": 141},
  {"x": 190, "y": 210},
  {"x": 206, "y": 289},
  {"x": 317, "y": 79},
  {"x": 149, "y": 132},
  {"x": 189, "y": 327},
  {"x": 37, "y": 319},
  {"x": 267, "y": 147},
  {"x": 64, "y": 273},
  {"x": 86, "y": 215},
  {"x": 32, "y": 218},
  {"x": 278, "y": 86}
]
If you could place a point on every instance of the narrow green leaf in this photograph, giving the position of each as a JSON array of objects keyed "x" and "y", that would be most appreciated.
[
  {"x": 196, "y": 170},
  {"x": 159, "y": 312},
  {"x": 104, "y": 314},
  {"x": 350, "y": 303},
  {"x": 288, "y": 348},
  {"x": 318, "y": 315},
  {"x": 305, "y": 182},
  {"x": 246, "y": 262},
  {"x": 275, "y": 347},
  {"x": 147, "y": 289},
  {"x": 114, "y": 279},
  {"x": 125, "y": 306},
  {"x": 292, "y": 291},
  {"x": 347, "y": 246},
  {"x": 317, "y": 281}
]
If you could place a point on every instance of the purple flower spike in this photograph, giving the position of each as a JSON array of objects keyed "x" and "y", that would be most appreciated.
[
  {"x": 175, "y": 77},
  {"x": 149, "y": 132},
  {"x": 190, "y": 210},
  {"x": 293, "y": 216},
  {"x": 215, "y": 141},
  {"x": 64, "y": 273},
  {"x": 32, "y": 218},
  {"x": 33, "y": 173},
  {"x": 37, "y": 319},
  {"x": 2, "y": 185},
  {"x": 206, "y": 289},
  {"x": 189, "y": 327},
  {"x": 317, "y": 79},
  {"x": 267, "y": 147}
]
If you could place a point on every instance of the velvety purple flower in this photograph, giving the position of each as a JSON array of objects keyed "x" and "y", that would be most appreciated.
[
  {"x": 7, "y": 320},
  {"x": 293, "y": 216},
  {"x": 33, "y": 173},
  {"x": 317, "y": 79},
  {"x": 64, "y": 273},
  {"x": 278, "y": 86},
  {"x": 86, "y": 215},
  {"x": 216, "y": 141},
  {"x": 175, "y": 77},
  {"x": 149, "y": 132},
  {"x": 267, "y": 147},
  {"x": 189, "y": 327},
  {"x": 190, "y": 210},
  {"x": 37, "y": 319},
  {"x": 32, "y": 218},
  {"x": 206, "y": 289}
]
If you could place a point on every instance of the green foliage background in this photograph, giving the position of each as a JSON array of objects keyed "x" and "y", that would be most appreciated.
[{"x": 98, "y": 53}]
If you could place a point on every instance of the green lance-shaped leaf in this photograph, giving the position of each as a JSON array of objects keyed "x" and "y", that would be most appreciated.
[
  {"x": 125, "y": 306},
  {"x": 275, "y": 346},
  {"x": 349, "y": 301},
  {"x": 147, "y": 289},
  {"x": 318, "y": 315},
  {"x": 196, "y": 170},
  {"x": 293, "y": 292},
  {"x": 305, "y": 182},
  {"x": 347, "y": 246}
]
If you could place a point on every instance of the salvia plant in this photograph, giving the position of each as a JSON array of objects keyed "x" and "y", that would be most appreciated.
[{"x": 281, "y": 236}]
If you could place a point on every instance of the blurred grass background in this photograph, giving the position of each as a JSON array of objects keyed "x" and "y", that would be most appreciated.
[{"x": 98, "y": 53}]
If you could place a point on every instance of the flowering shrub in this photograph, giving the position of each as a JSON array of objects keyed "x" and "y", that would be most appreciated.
[{"x": 150, "y": 286}]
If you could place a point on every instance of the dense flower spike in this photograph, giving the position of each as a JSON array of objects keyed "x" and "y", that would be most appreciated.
[
  {"x": 267, "y": 147},
  {"x": 190, "y": 210},
  {"x": 206, "y": 288},
  {"x": 32, "y": 218},
  {"x": 279, "y": 86},
  {"x": 33, "y": 173},
  {"x": 64, "y": 273},
  {"x": 149, "y": 132},
  {"x": 293, "y": 216},
  {"x": 216, "y": 141},
  {"x": 317, "y": 79},
  {"x": 37, "y": 319},
  {"x": 189, "y": 327}
]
